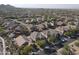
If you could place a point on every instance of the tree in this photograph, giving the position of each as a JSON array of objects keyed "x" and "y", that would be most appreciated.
[
  {"x": 66, "y": 47},
  {"x": 25, "y": 50},
  {"x": 51, "y": 39},
  {"x": 1, "y": 29},
  {"x": 53, "y": 18},
  {"x": 34, "y": 21},
  {"x": 77, "y": 43},
  {"x": 70, "y": 32},
  {"x": 46, "y": 17},
  {"x": 66, "y": 50},
  {"x": 41, "y": 43}
]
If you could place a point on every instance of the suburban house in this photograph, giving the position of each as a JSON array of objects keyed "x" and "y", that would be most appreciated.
[
  {"x": 33, "y": 35},
  {"x": 59, "y": 23},
  {"x": 45, "y": 24},
  {"x": 60, "y": 30},
  {"x": 52, "y": 32},
  {"x": 45, "y": 33},
  {"x": 40, "y": 27},
  {"x": 41, "y": 35},
  {"x": 20, "y": 40},
  {"x": 51, "y": 24}
]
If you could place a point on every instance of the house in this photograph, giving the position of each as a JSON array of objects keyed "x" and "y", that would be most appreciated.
[
  {"x": 11, "y": 35},
  {"x": 27, "y": 28},
  {"x": 27, "y": 21},
  {"x": 66, "y": 28},
  {"x": 18, "y": 28},
  {"x": 45, "y": 33},
  {"x": 39, "y": 19},
  {"x": 20, "y": 40},
  {"x": 45, "y": 24},
  {"x": 43, "y": 18},
  {"x": 6, "y": 24},
  {"x": 59, "y": 23},
  {"x": 40, "y": 27},
  {"x": 34, "y": 28},
  {"x": 41, "y": 35},
  {"x": 52, "y": 32},
  {"x": 51, "y": 24},
  {"x": 29, "y": 40},
  {"x": 33, "y": 35},
  {"x": 10, "y": 25},
  {"x": 60, "y": 30},
  {"x": 72, "y": 26}
]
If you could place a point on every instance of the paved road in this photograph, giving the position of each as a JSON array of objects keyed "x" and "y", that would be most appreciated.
[{"x": 3, "y": 43}]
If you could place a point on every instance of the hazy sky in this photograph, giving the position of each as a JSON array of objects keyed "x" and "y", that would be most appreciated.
[
  {"x": 69, "y": 6},
  {"x": 42, "y": 3}
]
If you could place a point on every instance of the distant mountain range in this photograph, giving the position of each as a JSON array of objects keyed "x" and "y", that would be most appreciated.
[
  {"x": 11, "y": 10},
  {"x": 7, "y": 8}
]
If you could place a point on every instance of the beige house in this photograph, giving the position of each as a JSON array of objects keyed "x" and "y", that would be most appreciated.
[
  {"x": 59, "y": 23},
  {"x": 33, "y": 36},
  {"x": 20, "y": 40},
  {"x": 60, "y": 30}
]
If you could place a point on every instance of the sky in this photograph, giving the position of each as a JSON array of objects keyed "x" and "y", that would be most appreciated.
[
  {"x": 70, "y": 4},
  {"x": 60, "y": 6}
]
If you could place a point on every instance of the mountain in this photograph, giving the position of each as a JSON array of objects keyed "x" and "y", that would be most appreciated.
[{"x": 7, "y": 7}]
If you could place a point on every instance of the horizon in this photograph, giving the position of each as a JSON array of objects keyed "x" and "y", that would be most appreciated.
[{"x": 50, "y": 6}]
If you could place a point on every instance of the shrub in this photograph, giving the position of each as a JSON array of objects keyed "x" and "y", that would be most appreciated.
[
  {"x": 26, "y": 50},
  {"x": 41, "y": 43},
  {"x": 52, "y": 39},
  {"x": 70, "y": 32},
  {"x": 1, "y": 29},
  {"x": 66, "y": 50}
]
